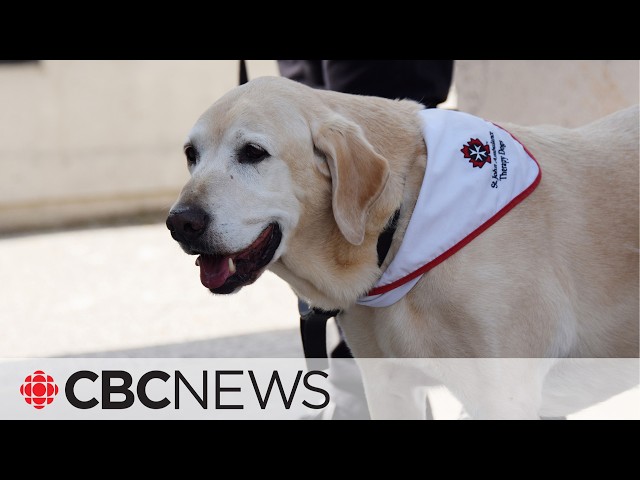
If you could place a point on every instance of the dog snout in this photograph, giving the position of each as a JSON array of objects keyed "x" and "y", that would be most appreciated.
[{"x": 187, "y": 224}]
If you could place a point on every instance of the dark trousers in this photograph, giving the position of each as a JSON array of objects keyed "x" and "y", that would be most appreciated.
[{"x": 425, "y": 81}]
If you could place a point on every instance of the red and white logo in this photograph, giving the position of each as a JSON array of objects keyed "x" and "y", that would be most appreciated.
[
  {"x": 477, "y": 152},
  {"x": 39, "y": 389}
]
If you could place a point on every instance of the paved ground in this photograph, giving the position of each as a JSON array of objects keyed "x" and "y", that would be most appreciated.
[{"x": 131, "y": 292}]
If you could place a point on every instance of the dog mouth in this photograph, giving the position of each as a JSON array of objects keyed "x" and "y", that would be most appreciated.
[{"x": 226, "y": 273}]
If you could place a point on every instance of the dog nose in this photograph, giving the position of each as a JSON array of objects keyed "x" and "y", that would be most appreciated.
[{"x": 187, "y": 224}]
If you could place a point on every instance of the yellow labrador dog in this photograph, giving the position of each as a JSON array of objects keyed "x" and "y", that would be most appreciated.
[{"x": 304, "y": 182}]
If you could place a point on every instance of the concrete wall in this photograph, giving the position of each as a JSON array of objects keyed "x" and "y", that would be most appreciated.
[
  {"x": 563, "y": 92},
  {"x": 84, "y": 140}
]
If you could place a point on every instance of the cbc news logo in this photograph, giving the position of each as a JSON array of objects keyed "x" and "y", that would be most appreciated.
[
  {"x": 39, "y": 389},
  {"x": 230, "y": 390}
]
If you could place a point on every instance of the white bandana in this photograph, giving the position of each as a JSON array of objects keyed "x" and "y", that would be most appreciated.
[{"x": 476, "y": 172}]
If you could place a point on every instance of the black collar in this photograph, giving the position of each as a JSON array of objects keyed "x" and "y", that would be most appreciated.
[
  {"x": 385, "y": 238},
  {"x": 313, "y": 320}
]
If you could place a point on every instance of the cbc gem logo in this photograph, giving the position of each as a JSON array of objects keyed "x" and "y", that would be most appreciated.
[{"x": 39, "y": 389}]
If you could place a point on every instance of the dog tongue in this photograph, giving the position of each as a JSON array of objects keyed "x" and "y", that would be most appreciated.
[{"x": 214, "y": 270}]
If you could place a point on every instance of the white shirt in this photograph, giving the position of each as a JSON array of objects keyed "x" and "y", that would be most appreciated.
[{"x": 476, "y": 172}]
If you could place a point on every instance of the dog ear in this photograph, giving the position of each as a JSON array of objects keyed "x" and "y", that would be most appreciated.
[{"x": 358, "y": 174}]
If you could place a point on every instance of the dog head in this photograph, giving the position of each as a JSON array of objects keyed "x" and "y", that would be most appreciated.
[{"x": 279, "y": 172}]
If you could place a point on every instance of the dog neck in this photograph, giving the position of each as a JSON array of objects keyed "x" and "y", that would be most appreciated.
[{"x": 321, "y": 266}]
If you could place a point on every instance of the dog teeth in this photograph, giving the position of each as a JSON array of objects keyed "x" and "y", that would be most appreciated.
[
  {"x": 232, "y": 266},
  {"x": 198, "y": 262}
]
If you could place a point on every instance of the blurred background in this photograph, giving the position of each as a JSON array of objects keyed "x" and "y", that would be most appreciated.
[{"x": 91, "y": 160}]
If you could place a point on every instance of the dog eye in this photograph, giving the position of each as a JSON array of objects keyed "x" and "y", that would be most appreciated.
[
  {"x": 252, "y": 153},
  {"x": 191, "y": 154}
]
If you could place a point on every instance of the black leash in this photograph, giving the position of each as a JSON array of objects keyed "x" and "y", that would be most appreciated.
[
  {"x": 313, "y": 321},
  {"x": 242, "y": 75}
]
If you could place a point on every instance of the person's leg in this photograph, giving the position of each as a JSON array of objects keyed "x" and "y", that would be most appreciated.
[
  {"x": 425, "y": 81},
  {"x": 308, "y": 72}
]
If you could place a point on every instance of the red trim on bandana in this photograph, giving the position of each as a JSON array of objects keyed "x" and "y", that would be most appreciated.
[{"x": 441, "y": 258}]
